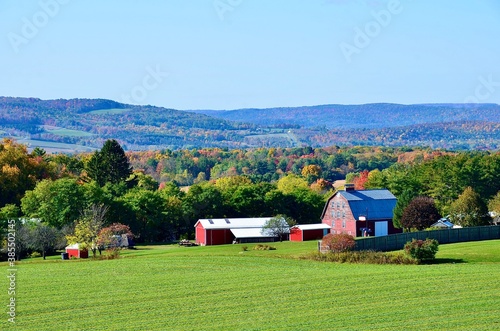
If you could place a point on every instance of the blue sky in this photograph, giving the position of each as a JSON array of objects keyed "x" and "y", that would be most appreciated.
[{"x": 228, "y": 54}]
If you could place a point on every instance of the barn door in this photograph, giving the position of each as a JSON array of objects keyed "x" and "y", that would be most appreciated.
[{"x": 381, "y": 229}]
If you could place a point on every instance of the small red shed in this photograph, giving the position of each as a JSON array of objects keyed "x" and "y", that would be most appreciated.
[
  {"x": 306, "y": 232},
  {"x": 75, "y": 251}
]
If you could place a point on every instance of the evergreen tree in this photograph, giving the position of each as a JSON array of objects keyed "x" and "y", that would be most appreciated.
[
  {"x": 403, "y": 200},
  {"x": 110, "y": 164}
]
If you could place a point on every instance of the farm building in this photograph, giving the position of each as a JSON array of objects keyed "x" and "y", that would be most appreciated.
[
  {"x": 305, "y": 232},
  {"x": 360, "y": 212},
  {"x": 220, "y": 231},
  {"x": 443, "y": 223},
  {"x": 75, "y": 251}
]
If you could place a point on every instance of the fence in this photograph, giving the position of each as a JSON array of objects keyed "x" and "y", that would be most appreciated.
[{"x": 396, "y": 242}]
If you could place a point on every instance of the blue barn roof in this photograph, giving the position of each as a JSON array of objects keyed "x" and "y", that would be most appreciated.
[{"x": 372, "y": 204}]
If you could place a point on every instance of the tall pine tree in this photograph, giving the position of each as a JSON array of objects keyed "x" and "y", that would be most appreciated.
[{"x": 110, "y": 164}]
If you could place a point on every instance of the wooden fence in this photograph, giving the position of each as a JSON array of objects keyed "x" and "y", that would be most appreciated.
[{"x": 396, "y": 242}]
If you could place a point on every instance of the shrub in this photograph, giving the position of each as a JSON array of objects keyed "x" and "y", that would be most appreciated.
[
  {"x": 261, "y": 247},
  {"x": 422, "y": 250},
  {"x": 35, "y": 254},
  {"x": 366, "y": 257},
  {"x": 338, "y": 243},
  {"x": 112, "y": 253}
]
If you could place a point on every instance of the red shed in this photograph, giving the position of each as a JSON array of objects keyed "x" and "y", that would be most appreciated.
[
  {"x": 306, "y": 232},
  {"x": 221, "y": 231},
  {"x": 75, "y": 251}
]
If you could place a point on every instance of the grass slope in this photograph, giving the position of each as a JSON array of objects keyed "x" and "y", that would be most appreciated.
[
  {"x": 224, "y": 288},
  {"x": 70, "y": 133}
]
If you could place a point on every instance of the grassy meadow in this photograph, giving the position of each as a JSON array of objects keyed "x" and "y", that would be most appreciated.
[
  {"x": 70, "y": 133},
  {"x": 226, "y": 288}
]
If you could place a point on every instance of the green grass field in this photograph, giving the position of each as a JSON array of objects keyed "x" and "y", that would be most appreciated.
[
  {"x": 70, "y": 133},
  {"x": 225, "y": 288}
]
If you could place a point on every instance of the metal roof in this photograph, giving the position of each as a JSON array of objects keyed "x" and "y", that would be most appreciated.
[
  {"x": 443, "y": 223},
  {"x": 233, "y": 223},
  {"x": 319, "y": 226},
  {"x": 367, "y": 195},
  {"x": 250, "y": 233},
  {"x": 373, "y": 204}
]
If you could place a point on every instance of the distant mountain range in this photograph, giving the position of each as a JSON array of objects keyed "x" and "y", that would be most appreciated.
[
  {"x": 84, "y": 124},
  {"x": 368, "y": 116}
]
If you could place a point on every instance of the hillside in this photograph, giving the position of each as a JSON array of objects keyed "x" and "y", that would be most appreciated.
[
  {"x": 84, "y": 124},
  {"x": 369, "y": 116}
]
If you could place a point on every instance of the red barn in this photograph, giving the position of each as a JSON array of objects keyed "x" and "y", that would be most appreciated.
[
  {"x": 75, "y": 251},
  {"x": 221, "y": 231},
  {"x": 360, "y": 212},
  {"x": 305, "y": 232}
]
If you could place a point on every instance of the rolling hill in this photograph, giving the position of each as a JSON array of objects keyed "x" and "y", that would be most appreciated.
[
  {"x": 84, "y": 124},
  {"x": 368, "y": 116}
]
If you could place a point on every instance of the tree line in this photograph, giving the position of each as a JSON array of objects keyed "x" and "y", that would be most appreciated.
[{"x": 144, "y": 191}]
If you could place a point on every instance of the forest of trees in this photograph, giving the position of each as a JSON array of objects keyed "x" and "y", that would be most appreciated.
[
  {"x": 160, "y": 195},
  {"x": 90, "y": 122}
]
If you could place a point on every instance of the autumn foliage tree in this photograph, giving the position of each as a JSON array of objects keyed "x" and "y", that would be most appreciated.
[
  {"x": 110, "y": 237},
  {"x": 361, "y": 180},
  {"x": 420, "y": 214},
  {"x": 19, "y": 171}
]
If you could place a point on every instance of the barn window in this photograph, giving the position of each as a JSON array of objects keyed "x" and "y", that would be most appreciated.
[
  {"x": 333, "y": 224},
  {"x": 333, "y": 213},
  {"x": 333, "y": 204},
  {"x": 338, "y": 204},
  {"x": 343, "y": 214},
  {"x": 343, "y": 223},
  {"x": 343, "y": 205},
  {"x": 338, "y": 214},
  {"x": 210, "y": 221}
]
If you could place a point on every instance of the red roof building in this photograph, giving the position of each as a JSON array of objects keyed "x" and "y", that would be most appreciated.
[{"x": 221, "y": 231}]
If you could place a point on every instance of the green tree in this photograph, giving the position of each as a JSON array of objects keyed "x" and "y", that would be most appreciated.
[
  {"x": 469, "y": 209},
  {"x": 278, "y": 226},
  {"x": 8, "y": 213},
  {"x": 45, "y": 238},
  {"x": 203, "y": 200},
  {"x": 145, "y": 212},
  {"x": 291, "y": 182},
  {"x": 376, "y": 179},
  {"x": 403, "y": 200},
  {"x": 110, "y": 164},
  {"x": 55, "y": 203},
  {"x": 420, "y": 214}
]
